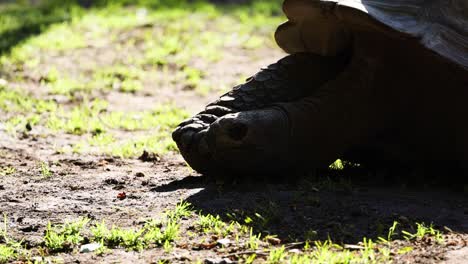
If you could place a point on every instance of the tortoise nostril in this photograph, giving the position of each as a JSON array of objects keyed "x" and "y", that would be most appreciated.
[{"x": 237, "y": 131}]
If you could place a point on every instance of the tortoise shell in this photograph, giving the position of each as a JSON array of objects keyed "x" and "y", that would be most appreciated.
[{"x": 326, "y": 26}]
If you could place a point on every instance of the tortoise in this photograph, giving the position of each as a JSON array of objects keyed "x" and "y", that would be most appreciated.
[{"x": 368, "y": 81}]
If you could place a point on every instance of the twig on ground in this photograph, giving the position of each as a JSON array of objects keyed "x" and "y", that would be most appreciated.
[{"x": 263, "y": 252}]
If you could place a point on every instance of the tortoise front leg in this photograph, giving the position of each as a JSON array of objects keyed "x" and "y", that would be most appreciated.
[
  {"x": 307, "y": 133},
  {"x": 292, "y": 77}
]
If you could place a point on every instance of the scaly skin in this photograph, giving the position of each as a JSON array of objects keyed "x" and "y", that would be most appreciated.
[
  {"x": 296, "y": 136},
  {"x": 291, "y": 78}
]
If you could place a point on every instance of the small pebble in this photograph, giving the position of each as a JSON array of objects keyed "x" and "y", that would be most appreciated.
[
  {"x": 403, "y": 219},
  {"x": 295, "y": 251},
  {"x": 274, "y": 240},
  {"x": 225, "y": 242},
  {"x": 218, "y": 261},
  {"x": 89, "y": 247}
]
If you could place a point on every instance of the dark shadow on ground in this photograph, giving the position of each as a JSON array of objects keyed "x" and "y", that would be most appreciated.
[
  {"x": 25, "y": 21},
  {"x": 11, "y": 38},
  {"x": 319, "y": 208}
]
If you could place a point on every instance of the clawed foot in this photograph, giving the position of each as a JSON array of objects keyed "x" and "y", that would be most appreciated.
[
  {"x": 241, "y": 132},
  {"x": 243, "y": 142},
  {"x": 190, "y": 137}
]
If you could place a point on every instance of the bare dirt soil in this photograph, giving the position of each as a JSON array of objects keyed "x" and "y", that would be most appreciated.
[{"x": 88, "y": 186}]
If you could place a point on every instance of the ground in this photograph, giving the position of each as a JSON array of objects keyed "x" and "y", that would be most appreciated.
[{"x": 88, "y": 98}]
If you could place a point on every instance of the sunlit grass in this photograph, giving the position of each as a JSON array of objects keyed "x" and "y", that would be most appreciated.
[
  {"x": 80, "y": 119},
  {"x": 158, "y": 36},
  {"x": 57, "y": 37},
  {"x": 166, "y": 231},
  {"x": 423, "y": 230},
  {"x": 153, "y": 233},
  {"x": 65, "y": 237},
  {"x": 92, "y": 118},
  {"x": 160, "y": 144},
  {"x": 10, "y": 249},
  {"x": 120, "y": 78},
  {"x": 161, "y": 41},
  {"x": 199, "y": 28},
  {"x": 45, "y": 170},
  {"x": 14, "y": 101},
  {"x": 103, "y": 129},
  {"x": 8, "y": 170}
]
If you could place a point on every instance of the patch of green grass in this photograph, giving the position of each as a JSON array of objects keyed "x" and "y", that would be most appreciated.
[
  {"x": 206, "y": 223},
  {"x": 260, "y": 218},
  {"x": 80, "y": 120},
  {"x": 405, "y": 250},
  {"x": 158, "y": 143},
  {"x": 277, "y": 256},
  {"x": 169, "y": 40},
  {"x": 14, "y": 101},
  {"x": 337, "y": 165},
  {"x": 163, "y": 233},
  {"x": 254, "y": 240},
  {"x": 126, "y": 238},
  {"x": 99, "y": 231},
  {"x": 4, "y": 171},
  {"x": 104, "y": 126},
  {"x": 22, "y": 111},
  {"x": 192, "y": 77},
  {"x": 213, "y": 225},
  {"x": 153, "y": 233},
  {"x": 57, "y": 84},
  {"x": 423, "y": 230},
  {"x": 366, "y": 251},
  {"x": 186, "y": 27},
  {"x": 64, "y": 237},
  {"x": 92, "y": 117},
  {"x": 254, "y": 42},
  {"x": 101, "y": 140},
  {"x": 328, "y": 252},
  {"x": 118, "y": 78},
  {"x": 7, "y": 253},
  {"x": 20, "y": 21},
  {"x": 9, "y": 248},
  {"x": 250, "y": 259},
  {"x": 61, "y": 36},
  {"x": 391, "y": 233},
  {"x": 310, "y": 235},
  {"x": 22, "y": 123},
  {"x": 182, "y": 209},
  {"x": 162, "y": 117},
  {"x": 170, "y": 233},
  {"x": 124, "y": 148},
  {"x": 121, "y": 78},
  {"x": 45, "y": 170}
]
